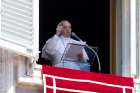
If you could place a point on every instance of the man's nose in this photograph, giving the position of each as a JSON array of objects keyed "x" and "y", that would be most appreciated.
[{"x": 68, "y": 31}]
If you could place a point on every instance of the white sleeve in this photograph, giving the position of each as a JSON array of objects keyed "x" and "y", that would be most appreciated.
[{"x": 49, "y": 48}]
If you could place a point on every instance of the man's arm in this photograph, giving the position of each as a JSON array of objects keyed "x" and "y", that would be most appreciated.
[{"x": 49, "y": 48}]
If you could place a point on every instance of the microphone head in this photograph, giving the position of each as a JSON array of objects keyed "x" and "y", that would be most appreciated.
[{"x": 73, "y": 34}]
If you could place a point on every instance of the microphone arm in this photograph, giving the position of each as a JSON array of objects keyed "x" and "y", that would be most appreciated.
[
  {"x": 96, "y": 56},
  {"x": 74, "y": 35}
]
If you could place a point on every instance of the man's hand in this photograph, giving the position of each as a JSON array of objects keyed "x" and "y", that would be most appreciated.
[{"x": 59, "y": 30}]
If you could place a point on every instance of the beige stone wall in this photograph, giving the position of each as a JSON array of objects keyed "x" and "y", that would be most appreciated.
[
  {"x": 27, "y": 90},
  {"x": 14, "y": 74},
  {"x": 7, "y": 84}
]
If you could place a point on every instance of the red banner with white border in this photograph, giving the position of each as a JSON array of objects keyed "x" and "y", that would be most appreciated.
[{"x": 63, "y": 80}]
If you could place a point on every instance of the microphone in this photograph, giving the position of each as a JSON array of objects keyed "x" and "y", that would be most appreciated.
[{"x": 75, "y": 36}]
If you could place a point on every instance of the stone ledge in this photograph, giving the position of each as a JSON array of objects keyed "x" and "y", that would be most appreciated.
[
  {"x": 137, "y": 81},
  {"x": 29, "y": 82},
  {"x": 137, "y": 85}
]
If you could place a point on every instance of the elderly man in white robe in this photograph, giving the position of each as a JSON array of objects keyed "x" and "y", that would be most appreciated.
[{"x": 54, "y": 48}]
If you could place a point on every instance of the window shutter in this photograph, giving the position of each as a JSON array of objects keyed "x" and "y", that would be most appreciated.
[{"x": 19, "y": 26}]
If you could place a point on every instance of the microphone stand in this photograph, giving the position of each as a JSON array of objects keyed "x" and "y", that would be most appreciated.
[{"x": 96, "y": 56}]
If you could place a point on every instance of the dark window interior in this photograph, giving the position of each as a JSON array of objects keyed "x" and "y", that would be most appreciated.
[{"x": 89, "y": 19}]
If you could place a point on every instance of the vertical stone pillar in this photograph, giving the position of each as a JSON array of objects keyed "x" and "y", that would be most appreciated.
[{"x": 7, "y": 84}]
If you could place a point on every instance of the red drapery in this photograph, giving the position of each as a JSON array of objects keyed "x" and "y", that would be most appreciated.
[{"x": 63, "y": 80}]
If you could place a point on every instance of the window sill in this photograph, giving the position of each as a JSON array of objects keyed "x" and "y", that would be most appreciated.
[{"x": 29, "y": 82}]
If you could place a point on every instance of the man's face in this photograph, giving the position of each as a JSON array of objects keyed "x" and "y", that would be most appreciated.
[{"x": 66, "y": 29}]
